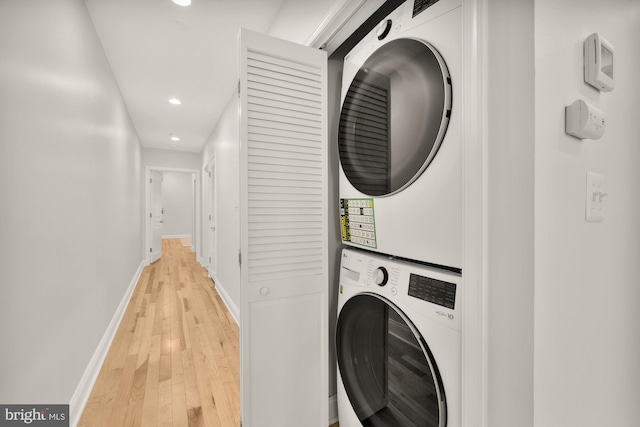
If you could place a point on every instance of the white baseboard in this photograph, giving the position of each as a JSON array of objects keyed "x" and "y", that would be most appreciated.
[
  {"x": 333, "y": 409},
  {"x": 176, "y": 236},
  {"x": 233, "y": 309},
  {"x": 83, "y": 391}
]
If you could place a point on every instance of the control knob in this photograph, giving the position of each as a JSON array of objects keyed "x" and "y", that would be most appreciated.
[
  {"x": 381, "y": 276},
  {"x": 384, "y": 28}
]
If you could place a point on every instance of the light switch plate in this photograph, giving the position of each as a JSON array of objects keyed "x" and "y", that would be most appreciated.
[{"x": 594, "y": 209}]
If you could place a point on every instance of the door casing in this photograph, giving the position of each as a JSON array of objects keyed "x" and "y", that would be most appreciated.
[{"x": 147, "y": 209}]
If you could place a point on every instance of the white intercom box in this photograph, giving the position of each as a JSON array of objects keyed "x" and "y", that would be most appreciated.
[{"x": 584, "y": 121}]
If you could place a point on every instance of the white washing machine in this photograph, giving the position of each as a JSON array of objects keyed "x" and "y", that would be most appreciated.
[
  {"x": 398, "y": 343},
  {"x": 400, "y": 136}
]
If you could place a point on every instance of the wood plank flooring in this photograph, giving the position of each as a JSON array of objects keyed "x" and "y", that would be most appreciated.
[{"x": 175, "y": 358}]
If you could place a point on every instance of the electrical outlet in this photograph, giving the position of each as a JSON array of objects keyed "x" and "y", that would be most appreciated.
[{"x": 594, "y": 208}]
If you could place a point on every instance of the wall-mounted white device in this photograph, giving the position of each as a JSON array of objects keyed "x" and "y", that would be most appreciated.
[
  {"x": 598, "y": 62},
  {"x": 584, "y": 121}
]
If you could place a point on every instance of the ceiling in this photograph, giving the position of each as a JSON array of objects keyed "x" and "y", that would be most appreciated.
[{"x": 159, "y": 50}]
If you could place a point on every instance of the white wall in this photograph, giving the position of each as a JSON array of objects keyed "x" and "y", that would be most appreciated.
[
  {"x": 587, "y": 297},
  {"x": 70, "y": 198},
  {"x": 297, "y": 20},
  {"x": 177, "y": 202},
  {"x": 510, "y": 211},
  {"x": 224, "y": 143},
  {"x": 170, "y": 159}
]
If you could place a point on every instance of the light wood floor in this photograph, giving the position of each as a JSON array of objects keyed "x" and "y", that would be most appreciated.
[{"x": 175, "y": 358}]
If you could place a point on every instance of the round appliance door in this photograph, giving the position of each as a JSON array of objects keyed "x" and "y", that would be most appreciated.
[
  {"x": 394, "y": 117},
  {"x": 387, "y": 369}
]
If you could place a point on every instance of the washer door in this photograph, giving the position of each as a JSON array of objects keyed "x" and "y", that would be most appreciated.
[
  {"x": 394, "y": 117},
  {"x": 387, "y": 369}
]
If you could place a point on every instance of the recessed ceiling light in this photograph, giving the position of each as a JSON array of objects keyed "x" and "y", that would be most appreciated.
[
  {"x": 175, "y": 101},
  {"x": 175, "y": 138},
  {"x": 182, "y": 2}
]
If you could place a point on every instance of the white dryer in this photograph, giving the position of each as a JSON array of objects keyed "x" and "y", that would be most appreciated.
[
  {"x": 398, "y": 343},
  {"x": 400, "y": 136}
]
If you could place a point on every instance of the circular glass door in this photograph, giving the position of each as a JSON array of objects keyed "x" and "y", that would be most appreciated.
[
  {"x": 394, "y": 117},
  {"x": 386, "y": 366}
]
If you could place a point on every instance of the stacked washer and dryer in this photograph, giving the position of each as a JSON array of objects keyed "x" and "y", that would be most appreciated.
[{"x": 399, "y": 302}]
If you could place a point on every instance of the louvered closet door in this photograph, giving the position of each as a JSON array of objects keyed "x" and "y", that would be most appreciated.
[{"x": 283, "y": 211}]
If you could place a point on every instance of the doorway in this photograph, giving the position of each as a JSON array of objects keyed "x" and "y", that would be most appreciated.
[{"x": 151, "y": 221}]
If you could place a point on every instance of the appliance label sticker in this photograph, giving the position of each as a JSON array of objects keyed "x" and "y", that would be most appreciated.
[{"x": 357, "y": 222}]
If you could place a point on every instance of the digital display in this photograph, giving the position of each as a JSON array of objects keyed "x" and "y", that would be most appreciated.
[{"x": 432, "y": 290}]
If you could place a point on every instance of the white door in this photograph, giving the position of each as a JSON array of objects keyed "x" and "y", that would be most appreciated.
[
  {"x": 156, "y": 215},
  {"x": 211, "y": 218},
  {"x": 283, "y": 214}
]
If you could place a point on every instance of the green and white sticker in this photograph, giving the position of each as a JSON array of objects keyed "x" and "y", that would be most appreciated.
[{"x": 357, "y": 222}]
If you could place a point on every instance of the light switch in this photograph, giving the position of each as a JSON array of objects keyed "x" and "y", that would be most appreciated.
[{"x": 595, "y": 197}]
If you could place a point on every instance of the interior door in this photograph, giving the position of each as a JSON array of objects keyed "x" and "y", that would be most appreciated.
[
  {"x": 156, "y": 215},
  {"x": 283, "y": 213},
  {"x": 211, "y": 218}
]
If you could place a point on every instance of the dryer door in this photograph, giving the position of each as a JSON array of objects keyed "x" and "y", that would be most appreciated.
[
  {"x": 394, "y": 116},
  {"x": 387, "y": 369}
]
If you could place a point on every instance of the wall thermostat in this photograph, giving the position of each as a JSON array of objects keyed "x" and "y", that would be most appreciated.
[
  {"x": 584, "y": 121},
  {"x": 598, "y": 63}
]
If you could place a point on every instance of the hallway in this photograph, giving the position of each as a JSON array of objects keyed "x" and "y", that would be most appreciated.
[{"x": 175, "y": 358}]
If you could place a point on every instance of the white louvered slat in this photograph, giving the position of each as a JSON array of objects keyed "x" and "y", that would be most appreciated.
[
  {"x": 284, "y": 126},
  {"x": 281, "y": 247},
  {"x": 260, "y": 94},
  {"x": 284, "y": 196},
  {"x": 283, "y": 176},
  {"x": 284, "y": 171},
  {"x": 279, "y": 225},
  {"x": 276, "y": 182},
  {"x": 274, "y": 107},
  {"x": 285, "y": 254},
  {"x": 285, "y": 143},
  {"x": 257, "y": 81},
  {"x": 279, "y": 133},
  {"x": 287, "y": 66},
  {"x": 278, "y": 150},
  {"x": 284, "y": 117},
  {"x": 291, "y": 219},
  {"x": 270, "y": 76},
  {"x": 284, "y": 164},
  {"x": 266, "y": 89}
]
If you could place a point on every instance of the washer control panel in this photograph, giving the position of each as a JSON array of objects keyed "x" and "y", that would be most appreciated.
[{"x": 430, "y": 291}]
